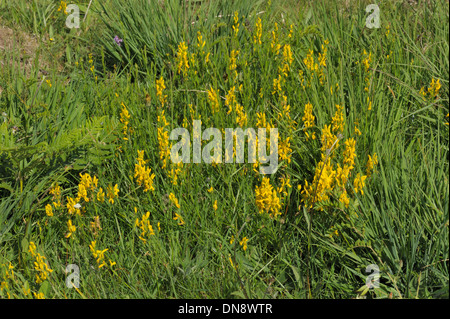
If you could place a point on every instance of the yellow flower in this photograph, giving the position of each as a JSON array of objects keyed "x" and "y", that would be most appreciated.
[
  {"x": 277, "y": 86},
  {"x": 231, "y": 262},
  {"x": 236, "y": 23},
  {"x": 32, "y": 248},
  {"x": 73, "y": 206},
  {"x": 39, "y": 295},
  {"x": 101, "y": 195},
  {"x": 308, "y": 117},
  {"x": 367, "y": 59},
  {"x": 233, "y": 59},
  {"x": 349, "y": 152},
  {"x": 291, "y": 30},
  {"x": 322, "y": 59},
  {"x": 213, "y": 99},
  {"x": 82, "y": 192},
  {"x": 359, "y": 183},
  {"x": 182, "y": 59},
  {"x": 258, "y": 32},
  {"x": 243, "y": 243},
  {"x": 338, "y": 120},
  {"x": 163, "y": 139},
  {"x": 275, "y": 45},
  {"x": 71, "y": 228},
  {"x": 371, "y": 163},
  {"x": 215, "y": 205},
  {"x": 344, "y": 199},
  {"x": 124, "y": 119},
  {"x": 42, "y": 268},
  {"x": 230, "y": 99},
  {"x": 63, "y": 7},
  {"x": 142, "y": 173},
  {"x": 267, "y": 199},
  {"x": 112, "y": 192},
  {"x": 160, "y": 86},
  {"x": 144, "y": 225},
  {"x": 322, "y": 185},
  {"x": 328, "y": 139},
  {"x": 434, "y": 87},
  {"x": 98, "y": 254},
  {"x": 174, "y": 200},
  {"x": 179, "y": 218},
  {"x": 287, "y": 60},
  {"x": 49, "y": 210},
  {"x": 309, "y": 61},
  {"x": 284, "y": 150},
  {"x": 200, "y": 42}
]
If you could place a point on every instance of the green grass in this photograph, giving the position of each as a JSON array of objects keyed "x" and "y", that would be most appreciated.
[{"x": 52, "y": 133}]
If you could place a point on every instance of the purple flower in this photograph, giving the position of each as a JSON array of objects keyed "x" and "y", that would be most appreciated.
[{"x": 118, "y": 40}]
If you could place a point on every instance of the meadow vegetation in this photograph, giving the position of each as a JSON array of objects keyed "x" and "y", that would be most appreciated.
[{"x": 86, "y": 176}]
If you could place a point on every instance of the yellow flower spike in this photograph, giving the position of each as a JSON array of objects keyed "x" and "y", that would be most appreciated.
[
  {"x": 258, "y": 32},
  {"x": 213, "y": 99},
  {"x": 267, "y": 199},
  {"x": 338, "y": 121},
  {"x": 434, "y": 88},
  {"x": 236, "y": 24},
  {"x": 112, "y": 192},
  {"x": 143, "y": 174},
  {"x": 243, "y": 243},
  {"x": 49, "y": 210},
  {"x": 231, "y": 262},
  {"x": 284, "y": 150},
  {"x": 174, "y": 200},
  {"x": 349, "y": 152},
  {"x": 42, "y": 268},
  {"x": 308, "y": 119},
  {"x": 371, "y": 163},
  {"x": 63, "y": 7},
  {"x": 344, "y": 199},
  {"x": 182, "y": 59},
  {"x": 179, "y": 218},
  {"x": 215, "y": 205},
  {"x": 32, "y": 248},
  {"x": 71, "y": 228},
  {"x": 359, "y": 183},
  {"x": 200, "y": 42},
  {"x": 101, "y": 195},
  {"x": 160, "y": 87},
  {"x": 39, "y": 295}
]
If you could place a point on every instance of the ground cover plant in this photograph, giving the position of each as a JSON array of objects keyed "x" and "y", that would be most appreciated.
[{"x": 88, "y": 185}]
